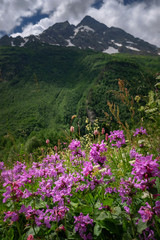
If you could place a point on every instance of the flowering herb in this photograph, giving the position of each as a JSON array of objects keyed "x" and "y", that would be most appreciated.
[
  {"x": 140, "y": 131},
  {"x": 117, "y": 138}
]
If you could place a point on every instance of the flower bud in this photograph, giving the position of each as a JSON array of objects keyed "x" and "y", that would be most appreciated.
[
  {"x": 47, "y": 141},
  {"x": 30, "y": 237},
  {"x": 55, "y": 148},
  {"x": 106, "y": 137},
  {"x": 103, "y": 131},
  {"x": 72, "y": 129},
  {"x": 96, "y": 132}
]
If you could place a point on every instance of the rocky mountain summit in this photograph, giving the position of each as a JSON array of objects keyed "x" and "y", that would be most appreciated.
[{"x": 89, "y": 33}]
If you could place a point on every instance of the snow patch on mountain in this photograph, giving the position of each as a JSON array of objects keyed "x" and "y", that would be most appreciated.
[
  {"x": 12, "y": 44},
  {"x": 130, "y": 42},
  {"x": 83, "y": 29},
  {"x": 91, "y": 48},
  {"x": 133, "y": 48},
  {"x": 69, "y": 43},
  {"x": 111, "y": 50},
  {"x": 25, "y": 41},
  {"x": 118, "y": 44}
]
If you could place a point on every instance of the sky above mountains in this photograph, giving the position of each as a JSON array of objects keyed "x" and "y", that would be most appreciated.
[{"x": 140, "y": 18}]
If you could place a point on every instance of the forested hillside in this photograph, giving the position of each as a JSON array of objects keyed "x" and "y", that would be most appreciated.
[{"x": 42, "y": 87}]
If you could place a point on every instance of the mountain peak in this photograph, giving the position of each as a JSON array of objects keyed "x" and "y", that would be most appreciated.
[
  {"x": 88, "y": 18},
  {"x": 88, "y": 34},
  {"x": 92, "y": 23}
]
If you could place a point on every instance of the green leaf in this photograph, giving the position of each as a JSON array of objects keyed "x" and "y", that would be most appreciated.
[
  {"x": 97, "y": 229},
  {"x": 40, "y": 203},
  {"x": 112, "y": 225},
  {"x": 31, "y": 231},
  {"x": 75, "y": 205},
  {"x": 97, "y": 205},
  {"x": 102, "y": 216},
  {"x": 85, "y": 209},
  {"x": 117, "y": 211},
  {"x": 127, "y": 236},
  {"x": 10, "y": 234},
  {"x": 108, "y": 202},
  {"x": 141, "y": 226}
]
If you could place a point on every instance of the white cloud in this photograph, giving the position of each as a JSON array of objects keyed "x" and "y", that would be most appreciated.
[
  {"x": 71, "y": 10},
  {"x": 12, "y": 11},
  {"x": 140, "y": 19}
]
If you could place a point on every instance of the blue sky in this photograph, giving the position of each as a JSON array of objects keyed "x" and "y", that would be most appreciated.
[{"x": 140, "y": 18}]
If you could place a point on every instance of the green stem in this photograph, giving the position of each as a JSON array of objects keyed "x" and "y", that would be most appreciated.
[
  {"x": 103, "y": 191},
  {"x": 123, "y": 161},
  {"x": 157, "y": 227},
  {"x": 133, "y": 227},
  {"x": 113, "y": 159},
  {"x": 19, "y": 232},
  {"x": 17, "y": 223},
  {"x": 34, "y": 230}
]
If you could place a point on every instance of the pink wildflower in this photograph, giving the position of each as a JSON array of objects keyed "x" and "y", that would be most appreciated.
[
  {"x": 71, "y": 129},
  {"x": 47, "y": 141},
  {"x": 106, "y": 136},
  {"x": 55, "y": 148},
  {"x": 103, "y": 131},
  {"x": 30, "y": 237},
  {"x": 96, "y": 132}
]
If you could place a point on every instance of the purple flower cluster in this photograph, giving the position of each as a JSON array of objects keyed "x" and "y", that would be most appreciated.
[
  {"x": 75, "y": 147},
  {"x": 40, "y": 217},
  {"x": 134, "y": 154},
  {"x": 157, "y": 208},
  {"x": 50, "y": 215},
  {"x": 1, "y": 165},
  {"x": 57, "y": 187},
  {"x": 117, "y": 138},
  {"x": 127, "y": 191},
  {"x": 96, "y": 153},
  {"x": 144, "y": 169},
  {"x": 146, "y": 212},
  {"x": 140, "y": 131},
  {"x": 13, "y": 216},
  {"x": 88, "y": 168},
  {"x": 81, "y": 226},
  {"x": 13, "y": 191},
  {"x": 147, "y": 234}
]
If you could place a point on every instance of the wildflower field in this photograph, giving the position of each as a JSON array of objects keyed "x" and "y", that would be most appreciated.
[{"x": 102, "y": 186}]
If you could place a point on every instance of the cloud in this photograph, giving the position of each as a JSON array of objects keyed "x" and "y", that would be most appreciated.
[
  {"x": 71, "y": 10},
  {"x": 141, "y": 18},
  {"x": 12, "y": 12}
]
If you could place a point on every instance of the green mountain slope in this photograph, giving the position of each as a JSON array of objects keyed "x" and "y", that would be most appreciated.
[{"x": 42, "y": 87}]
